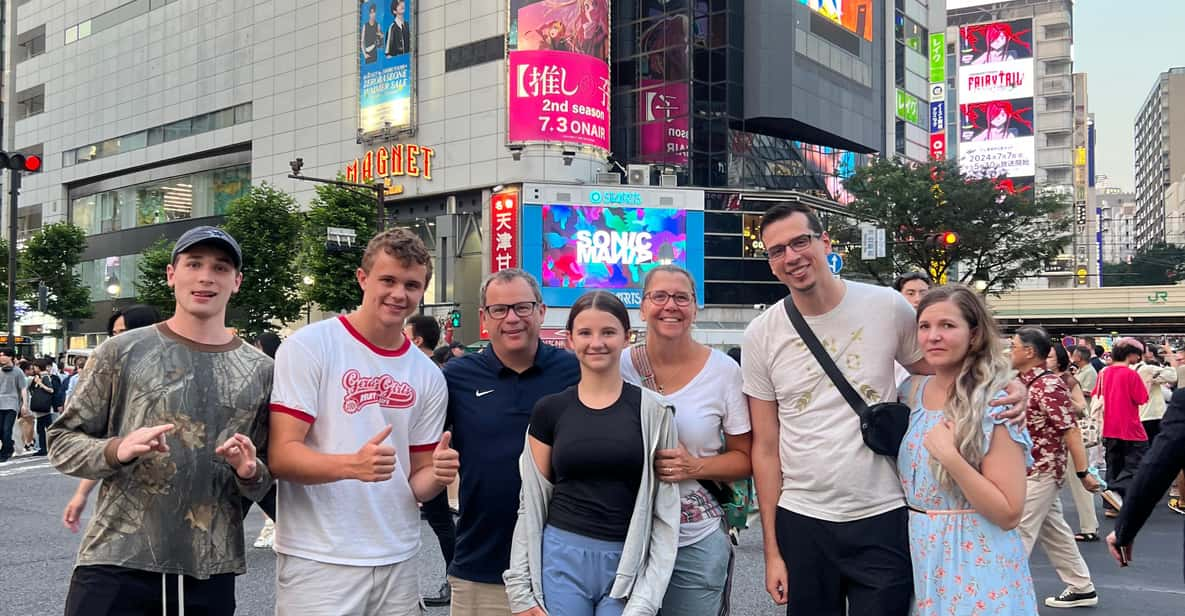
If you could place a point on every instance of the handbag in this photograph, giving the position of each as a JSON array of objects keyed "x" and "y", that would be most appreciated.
[
  {"x": 1092, "y": 424},
  {"x": 735, "y": 498},
  {"x": 882, "y": 425}
]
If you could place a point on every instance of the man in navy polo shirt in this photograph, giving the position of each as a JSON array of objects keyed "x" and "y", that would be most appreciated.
[{"x": 491, "y": 396}]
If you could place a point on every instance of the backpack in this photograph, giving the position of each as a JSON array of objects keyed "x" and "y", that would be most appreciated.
[{"x": 40, "y": 401}]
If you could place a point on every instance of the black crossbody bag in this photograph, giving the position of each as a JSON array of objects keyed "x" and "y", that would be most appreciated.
[{"x": 883, "y": 425}]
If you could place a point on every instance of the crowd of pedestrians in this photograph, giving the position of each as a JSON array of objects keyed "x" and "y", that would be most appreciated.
[{"x": 906, "y": 459}]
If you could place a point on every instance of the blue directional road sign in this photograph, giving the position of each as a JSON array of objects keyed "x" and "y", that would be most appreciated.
[{"x": 834, "y": 262}]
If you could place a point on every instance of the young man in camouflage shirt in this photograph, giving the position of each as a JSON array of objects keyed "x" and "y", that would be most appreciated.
[{"x": 168, "y": 417}]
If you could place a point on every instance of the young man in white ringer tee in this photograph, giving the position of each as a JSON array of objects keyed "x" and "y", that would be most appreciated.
[{"x": 357, "y": 415}]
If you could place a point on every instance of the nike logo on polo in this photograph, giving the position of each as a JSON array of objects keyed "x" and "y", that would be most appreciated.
[{"x": 481, "y": 393}]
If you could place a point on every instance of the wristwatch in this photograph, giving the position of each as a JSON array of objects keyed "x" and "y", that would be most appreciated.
[{"x": 1082, "y": 474}]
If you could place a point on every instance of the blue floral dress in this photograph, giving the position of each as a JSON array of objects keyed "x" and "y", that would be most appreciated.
[{"x": 962, "y": 563}]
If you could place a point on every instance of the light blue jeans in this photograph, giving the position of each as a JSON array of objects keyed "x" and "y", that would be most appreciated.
[
  {"x": 578, "y": 574},
  {"x": 700, "y": 578}
]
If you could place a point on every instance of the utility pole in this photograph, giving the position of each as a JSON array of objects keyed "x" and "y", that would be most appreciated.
[{"x": 14, "y": 189}]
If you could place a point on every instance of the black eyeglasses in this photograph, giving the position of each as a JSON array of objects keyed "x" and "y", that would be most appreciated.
[
  {"x": 500, "y": 311},
  {"x": 662, "y": 297},
  {"x": 798, "y": 245}
]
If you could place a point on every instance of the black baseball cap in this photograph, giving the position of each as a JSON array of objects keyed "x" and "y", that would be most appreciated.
[{"x": 210, "y": 235}]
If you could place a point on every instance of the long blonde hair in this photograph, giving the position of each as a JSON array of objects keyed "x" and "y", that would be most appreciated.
[{"x": 985, "y": 372}]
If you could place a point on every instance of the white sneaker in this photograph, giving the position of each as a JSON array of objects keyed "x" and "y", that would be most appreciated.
[{"x": 266, "y": 536}]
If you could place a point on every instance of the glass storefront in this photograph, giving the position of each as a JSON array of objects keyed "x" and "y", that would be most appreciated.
[
  {"x": 207, "y": 193},
  {"x": 110, "y": 277}
]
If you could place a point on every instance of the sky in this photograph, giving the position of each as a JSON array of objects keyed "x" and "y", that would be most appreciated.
[{"x": 1123, "y": 48}]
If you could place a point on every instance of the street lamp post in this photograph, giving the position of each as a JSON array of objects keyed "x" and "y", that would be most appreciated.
[
  {"x": 378, "y": 188},
  {"x": 308, "y": 282}
]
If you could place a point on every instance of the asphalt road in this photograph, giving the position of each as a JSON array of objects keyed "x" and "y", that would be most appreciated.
[{"x": 36, "y": 556}]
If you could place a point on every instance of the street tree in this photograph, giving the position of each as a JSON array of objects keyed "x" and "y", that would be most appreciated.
[
  {"x": 51, "y": 257},
  {"x": 1157, "y": 264},
  {"x": 1003, "y": 235},
  {"x": 266, "y": 224},
  {"x": 152, "y": 284},
  {"x": 331, "y": 267}
]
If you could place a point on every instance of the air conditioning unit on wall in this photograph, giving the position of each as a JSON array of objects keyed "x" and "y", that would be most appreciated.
[{"x": 639, "y": 175}]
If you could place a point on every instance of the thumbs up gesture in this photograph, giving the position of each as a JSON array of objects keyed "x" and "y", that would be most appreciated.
[
  {"x": 375, "y": 461},
  {"x": 445, "y": 460}
]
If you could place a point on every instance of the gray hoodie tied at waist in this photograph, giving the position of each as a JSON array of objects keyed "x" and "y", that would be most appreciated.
[{"x": 648, "y": 556}]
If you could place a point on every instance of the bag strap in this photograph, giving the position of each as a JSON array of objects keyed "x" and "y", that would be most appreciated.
[
  {"x": 717, "y": 490},
  {"x": 642, "y": 365},
  {"x": 1034, "y": 379},
  {"x": 833, "y": 372}
]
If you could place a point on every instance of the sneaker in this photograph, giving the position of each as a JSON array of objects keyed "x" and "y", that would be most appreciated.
[
  {"x": 1177, "y": 504},
  {"x": 266, "y": 536},
  {"x": 1069, "y": 598},
  {"x": 445, "y": 597}
]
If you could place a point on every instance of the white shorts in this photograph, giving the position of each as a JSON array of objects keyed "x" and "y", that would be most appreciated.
[{"x": 309, "y": 588}]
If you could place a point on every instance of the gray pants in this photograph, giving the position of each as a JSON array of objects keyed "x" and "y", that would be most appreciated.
[{"x": 700, "y": 578}]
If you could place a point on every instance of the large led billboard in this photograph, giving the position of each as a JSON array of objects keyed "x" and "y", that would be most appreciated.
[
  {"x": 558, "y": 56},
  {"x": 386, "y": 47},
  {"x": 996, "y": 74},
  {"x": 996, "y": 61},
  {"x": 997, "y": 137},
  {"x": 854, "y": 15},
  {"x": 610, "y": 245}
]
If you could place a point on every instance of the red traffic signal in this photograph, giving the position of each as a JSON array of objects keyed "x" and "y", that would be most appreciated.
[{"x": 20, "y": 162}]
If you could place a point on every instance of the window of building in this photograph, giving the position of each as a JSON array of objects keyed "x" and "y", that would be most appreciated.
[
  {"x": 198, "y": 195},
  {"x": 28, "y": 222},
  {"x": 159, "y": 134},
  {"x": 30, "y": 102},
  {"x": 30, "y": 44},
  {"x": 110, "y": 277},
  {"x": 911, "y": 34}
]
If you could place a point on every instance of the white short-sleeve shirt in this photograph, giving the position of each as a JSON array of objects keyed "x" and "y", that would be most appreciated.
[
  {"x": 827, "y": 471},
  {"x": 711, "y": 403},
  {"x": 348, "y": 390}
]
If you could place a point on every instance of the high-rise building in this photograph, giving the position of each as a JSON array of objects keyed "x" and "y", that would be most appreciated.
[
  {"x": 1160, "y": 153},
  {"x": 912, "y": 117},
  {"x": 1014, "y": 91},
  {"x": 1117, "y": 224}
]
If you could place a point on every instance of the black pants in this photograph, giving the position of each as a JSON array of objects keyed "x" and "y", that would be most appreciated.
[
  {"x": 436, "y": 511},
  {"x": 267, "y": 504},
  {"x": 1123, "y": 460},
  {"x": 7, "y": 422},
  {"x": 104, "y": 590},
  {"x": 865, "y": 562},
  {"x": 43, "y": 425},
  {"x": 1152, "y": 427}
]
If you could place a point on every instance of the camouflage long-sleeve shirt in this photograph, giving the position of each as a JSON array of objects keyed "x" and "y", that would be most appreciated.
[{"x": 177, "y": 512}]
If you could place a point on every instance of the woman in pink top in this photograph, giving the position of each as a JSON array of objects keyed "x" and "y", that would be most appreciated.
[{"x": 1124, "y": 438}]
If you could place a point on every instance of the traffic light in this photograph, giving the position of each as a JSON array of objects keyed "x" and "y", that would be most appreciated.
[
  {"x": 945, "y": 240},
  {"x": 454, "y": 319},
  {"x": 42, "y": 296},
  {"x": 29, "y": 163}
]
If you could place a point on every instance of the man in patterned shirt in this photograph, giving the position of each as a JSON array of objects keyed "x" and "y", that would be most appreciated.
[
  {"x": 1054, "y": 430},
  {"x": 168, "y": 417}
]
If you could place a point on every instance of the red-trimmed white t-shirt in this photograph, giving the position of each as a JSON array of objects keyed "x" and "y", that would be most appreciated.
[{"x": 348, "y": 390}]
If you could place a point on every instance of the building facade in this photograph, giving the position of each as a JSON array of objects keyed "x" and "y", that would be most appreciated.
[
  {"x": 1160, "y": 153},
  {"x": 152, "y": 116},
  {"x": 1117, "y": 224},
  {"x": 1018, "y": 115}
]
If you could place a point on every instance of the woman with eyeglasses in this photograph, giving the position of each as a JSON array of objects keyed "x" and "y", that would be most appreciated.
[
  {"x": 597, "y": 530},
  {"x": 714, "y": 435}
]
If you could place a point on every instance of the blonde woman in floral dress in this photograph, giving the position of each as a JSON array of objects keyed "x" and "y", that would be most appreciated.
[{"x": 963, "y": 469}]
